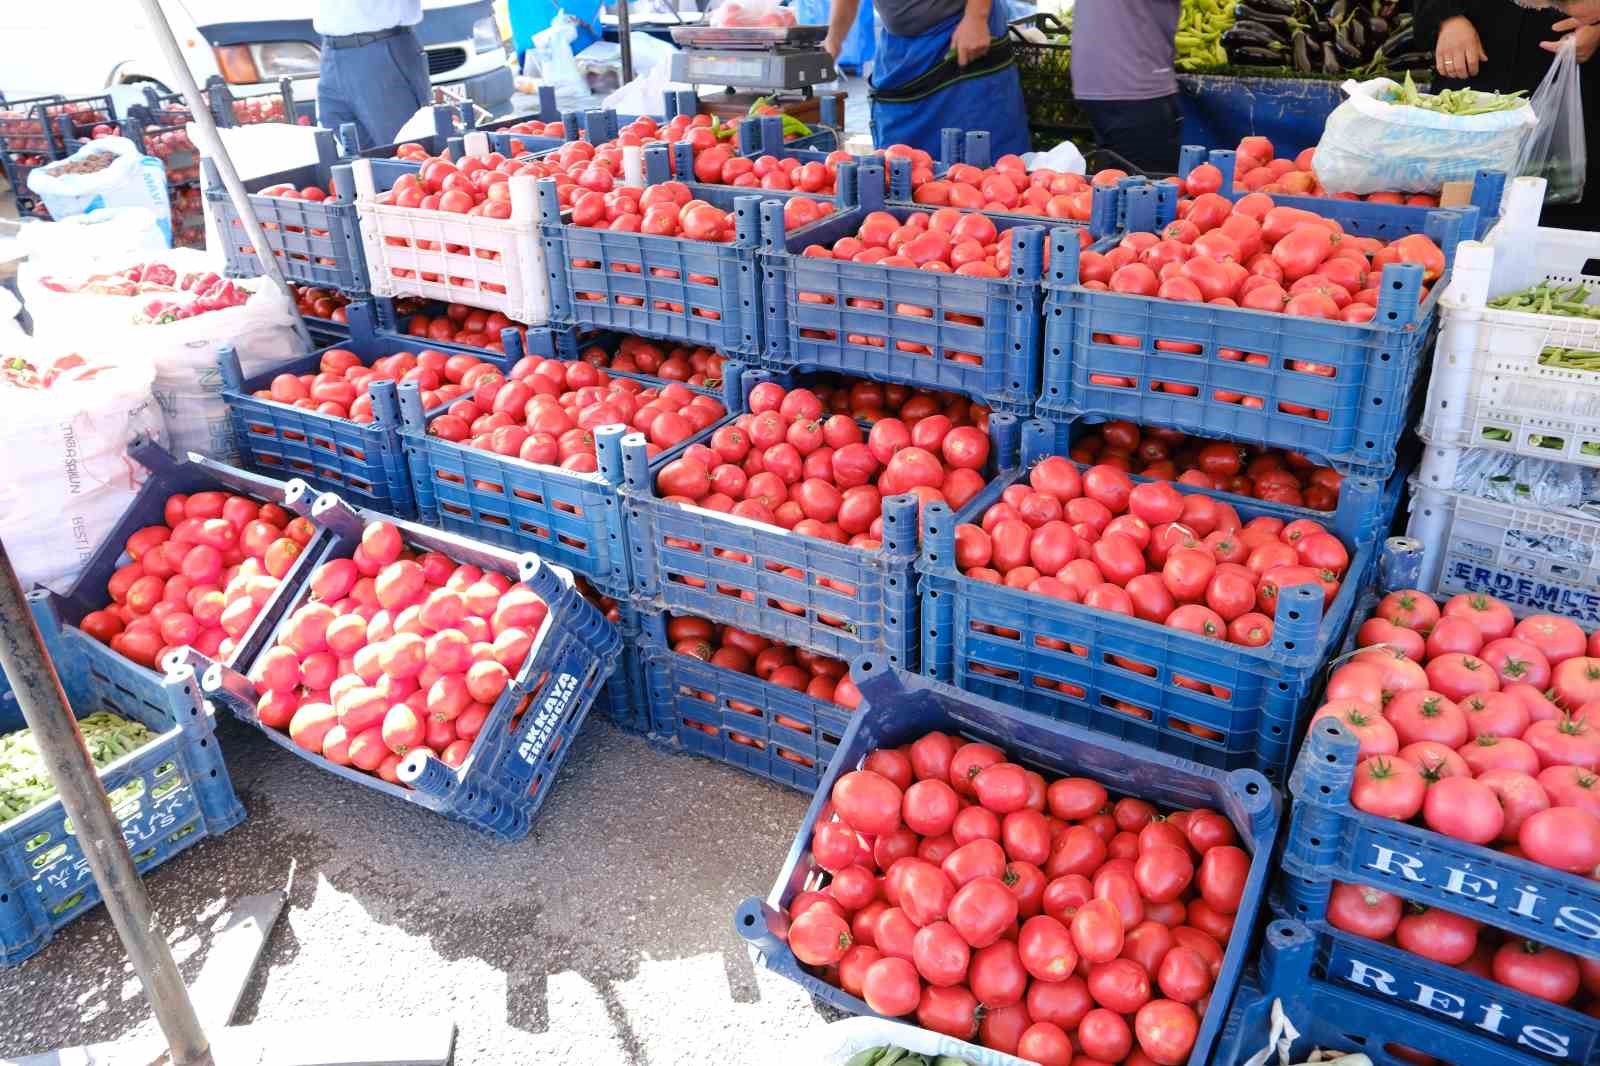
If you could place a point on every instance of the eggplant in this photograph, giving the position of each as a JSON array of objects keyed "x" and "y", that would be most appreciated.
[
  {"x": 1398, "y": 42},
  {"x": 1322, "y": 30},
  {"x": 1410, "y": 60},
  {"x": 1258, "y": 57},
  {"x": 1344, "y": 47},
  {"x": 1302, "y": 52},
  {"x": 1357, "y": 34},
  {"x": 1377, "y": 28},
  {"x": 1274, "y": 7},
  {"x": 1330, "y": 60},
  {"x": 1338, "y": 10},
  {"x": 1252, "y": 34}
]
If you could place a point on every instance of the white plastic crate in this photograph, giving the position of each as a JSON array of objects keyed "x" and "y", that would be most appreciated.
[
  {"x": 1537, "y": 561},
  {"x": 1488, "y": 389},
  {"x": 499, "y": 264}
]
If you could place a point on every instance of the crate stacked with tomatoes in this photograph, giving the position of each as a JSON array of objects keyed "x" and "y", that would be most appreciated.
[
  {"x": 1023, "y": 884},
  {"x": 437, "y": 670},
  {"x": 1296, "y": 327},
  {"x": 1191, "y": 619},
  {"x": 1444, "y": 832},
  {"x": 161, "y": 131},
  {"x": 24, "y": 144},
  {"x": 1508, "y": 495}
]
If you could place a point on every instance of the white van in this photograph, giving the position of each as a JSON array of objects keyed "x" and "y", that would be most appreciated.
[{"x": 78, "y": 47}]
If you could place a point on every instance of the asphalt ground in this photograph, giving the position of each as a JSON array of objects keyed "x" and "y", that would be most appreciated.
[{"x": 605, "y": 937}]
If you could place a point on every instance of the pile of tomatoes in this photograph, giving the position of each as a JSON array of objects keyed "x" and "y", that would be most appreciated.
[
  {"x": 461, "y": 324},
  {"x": 1464, "y": 944},
  {"x": 946, "y": 241},
  {"x": 1258, "y": 168},
  {"x": 720, "y": 166},
  {"x": 535, "y": 128},
  {"x": 257, "y": 109},
  {"x": 670, "y": 209},
  {"x": 313, "y": 302},
  {"x": 546, "y": 411},
  {"x": 1042, "y": 919},
  {"x": 1008, "y": 186},
  {"x": 667, "y": 360},
  {"x": 816, "y": 675},
  {"x": 394, "y": 651},
  {"x": 786, "y": 463},
  {"x": 1167, "y": 455},
  {"x": 1148, "y": 551},
  {"x": 199, "y": 579},
  {"x": 342, "y": 385},
  {"x": 1256, "y": 255},
  {"x": 1481, "y": 727}
]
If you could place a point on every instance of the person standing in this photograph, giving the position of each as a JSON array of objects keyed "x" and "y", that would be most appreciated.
[
  {"x": 374, "y": 72},
  {"x": 939, "y": 64},
  {"x": 1123, "y": 76},
  {"x": 1500, "y": 46}
]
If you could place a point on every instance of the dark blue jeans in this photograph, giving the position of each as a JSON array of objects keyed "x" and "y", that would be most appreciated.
[
  {"x": 1147, "y": 133},
  {"x": 377, "y": 86}
]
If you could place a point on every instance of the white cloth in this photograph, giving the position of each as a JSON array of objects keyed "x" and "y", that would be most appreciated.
[{"x": 341, "y": 18}]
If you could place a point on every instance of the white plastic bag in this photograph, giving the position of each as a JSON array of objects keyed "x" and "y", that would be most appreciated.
[
  {"x": 552, "y": 48},
  {"x": 68, "y": 475},
  {"x": 187, "y": 382},
  {"x": 1556, "y": 149},
  {"x": 834, "y": 1044},
  {"x": 113, "y": 232},
  {"x": 1064, "y": 158},
  {"x": 132, "y": 180},
  {"x": 1371, "y": 145}
]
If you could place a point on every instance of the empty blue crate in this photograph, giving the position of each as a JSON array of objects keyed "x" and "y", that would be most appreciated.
[
  {"x": 570, "y": 518},
  {"x": 1340, "y": 392},
  {"x": 1341, "y": 1020},
  {"x": 362, "y": 460},
  {"x": 897, "y": 708},
  {"x": 167, "y": 795},
  {"x": 518, "y": 753},
  {"x": 735, "y": 718},
  {"x": 972, "y": 335},
  {"x": 1217, "y": 703},
  {"x": 1365, "y": 218},
  {"x": 316, "y": 242}
]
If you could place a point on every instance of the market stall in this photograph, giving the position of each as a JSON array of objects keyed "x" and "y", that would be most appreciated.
[{"x": 1016, "y": 542}]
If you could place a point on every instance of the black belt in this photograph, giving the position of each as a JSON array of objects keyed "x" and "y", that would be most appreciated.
[
  {"x": 357, "y": 40},
  {"x": 947, "y": 73}
]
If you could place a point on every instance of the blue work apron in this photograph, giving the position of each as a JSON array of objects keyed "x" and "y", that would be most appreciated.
[{"x": 990, "y": 102}]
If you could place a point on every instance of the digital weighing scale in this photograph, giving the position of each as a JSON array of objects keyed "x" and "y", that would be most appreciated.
[{"x": 779, "y": 57}]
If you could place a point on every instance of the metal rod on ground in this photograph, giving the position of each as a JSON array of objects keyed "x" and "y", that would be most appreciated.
[
  {"x": 199, "y": 107},
  {"x": 625, "y": 39},
  {"x": 55, "y": 731}
]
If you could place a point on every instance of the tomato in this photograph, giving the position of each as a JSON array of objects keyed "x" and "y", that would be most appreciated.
[
  {"x": 1079, "y": 850},
  {"x": 1121, "y": 985},
  {"x": 869, "y": 802},
  {"x": 1498, "y": 714},
  {"x": 940, "y": 954},
  {"x": 1377, "y": 631},
  {"x": 1565, "y": 838},
  {"x": 1569, "y": 786},
  {"x": 1375, "y": 735},
  {"x": 1453, "y": 634},
  {"x": 1410, "y": 608},
  {"x": 1438, "y": 935},
  {"x": 1104, "y": 1035},
  {"x": 854, "y": 965},
  {"x": 1557, "y": 639},
  {"x": 819, "y": 937},
  {"x": 929, "y": 807},
  {"x": 891, "y": 988},
  {"x": 1167, "y": 1031},
  {"x": 1515, "y": 660},
  {"x": 996, "y": 976},
  {"x": 1576, "y": 681},
  {"x": 1001, "y": 787},
  {"x": 1389, "y": 788},
  {"x": 982, "y": 910},
  {"x": 1074, "y": 798},
  {"x": 930, "y": 756},
  {"x": 1425, "y": 715},
  {"x": 1184, "y": 975},
  {"x": 1364, "y": 910},
  {"x": 1571, "y": 740},
  {"x": 952, "y": 1011},
  {"x": 1045, "y": 1043},
  {"x": 1492, "y": 617},
  {"x": 966, "y": 763},
  {"x": 1458, "y": 675},
  {"x": 1097, "y": 931},
  {"x": 1463, "y": 808},
  {"x": 1221, "y": 877},
  {"x": 1163, "y": 872},
  {"x": 1537, "y": 970}
]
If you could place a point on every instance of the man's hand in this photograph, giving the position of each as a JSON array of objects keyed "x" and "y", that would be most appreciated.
[
  {"x": 1580, "y": 13},
  {"x": 1588, "y": 38},
  {"x": 970, "y": 40},
  {"x": 1458, "y": 51},
  {"x": 833, "y": 45}
]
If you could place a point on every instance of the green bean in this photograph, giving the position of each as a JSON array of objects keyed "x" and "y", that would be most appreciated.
[{"x": 24, "y": 781}]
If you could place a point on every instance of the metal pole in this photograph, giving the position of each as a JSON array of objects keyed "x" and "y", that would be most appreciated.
[
  {"x": 198, "y": 105},
  {"x": 55, "y": 731},
  {"x": 625, "y": 39}
]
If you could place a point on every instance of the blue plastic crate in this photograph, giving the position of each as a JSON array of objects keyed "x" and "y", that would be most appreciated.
[
  {"x": 1330, "y": 840},
  {"x": 829, "y": 598},
  {"x": 1148, "y": 683},
  {"x": 975, "y": 336},
  {"x": 1241, "y": 374},
  {"x": 21, "y": 127},
  {"x": 897, "y": 707},
  {"x": 170, "y": 794},
  {"x": 59, "y": 119},
  {"x": 624, "y": 699},
  {"x": 110, "y": 670},
  {"x": 1484, "y": 1008},
  {"x": 529, "y": 732},
  {"x": 1340, "y": 1019},
  {"x": 669, "y": 287},
  {"x": 765, "y": 729},
  {"x": 1361, "y": 217},
  {"x": 571, "y": 519},
  {"x": 315, "y": 242},
  {"x": 364, "y": 461}
]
